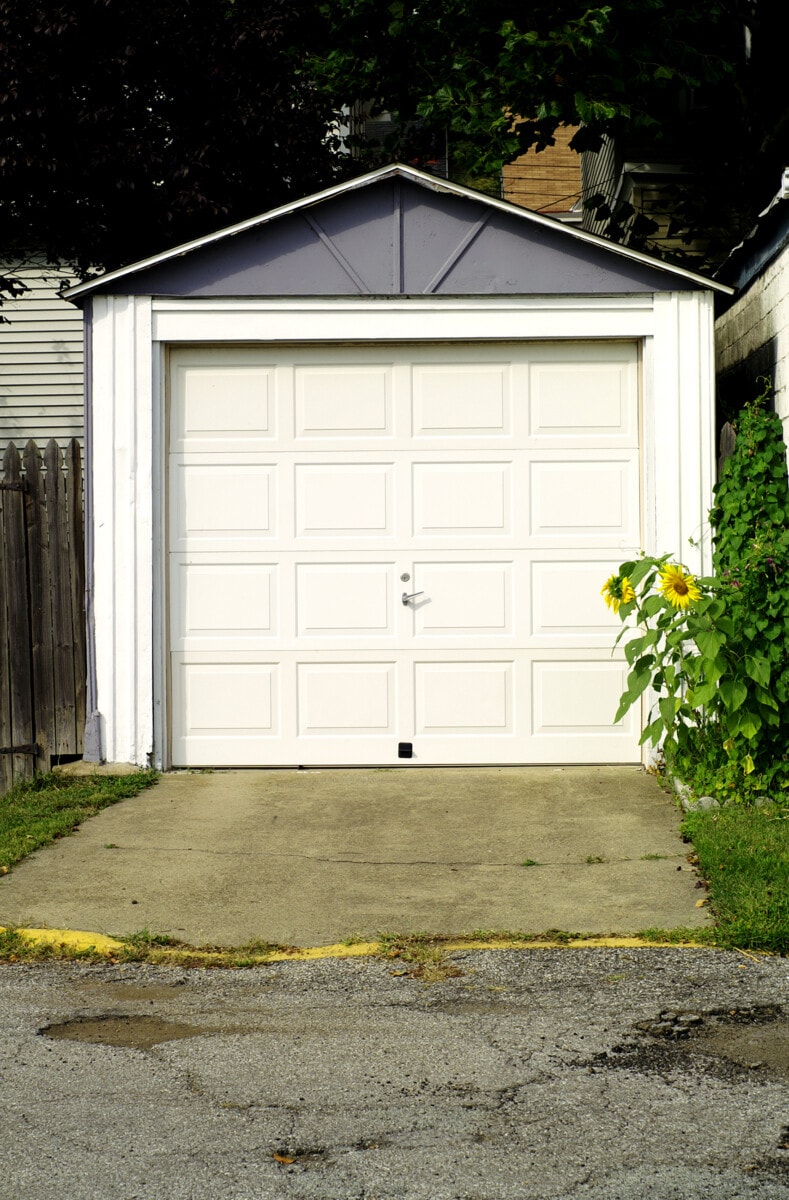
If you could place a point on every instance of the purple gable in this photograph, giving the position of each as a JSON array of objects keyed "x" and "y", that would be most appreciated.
[{"x": 395, "y": 235}]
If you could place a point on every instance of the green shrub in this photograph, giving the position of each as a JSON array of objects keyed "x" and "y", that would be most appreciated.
[{"x": 716, "y": 650}]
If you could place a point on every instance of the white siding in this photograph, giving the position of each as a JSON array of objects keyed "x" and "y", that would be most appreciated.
[
  {"x": 41, "y": 369},
  {"x": 600, "y": 174}
]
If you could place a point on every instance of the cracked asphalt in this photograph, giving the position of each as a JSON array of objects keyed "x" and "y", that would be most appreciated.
[{"x": 604, "y": 1074}]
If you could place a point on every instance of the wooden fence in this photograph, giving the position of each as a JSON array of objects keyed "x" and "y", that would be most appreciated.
[{"x": 42, "y": 610}]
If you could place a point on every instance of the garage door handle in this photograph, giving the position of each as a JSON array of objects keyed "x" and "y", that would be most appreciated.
[{"x": 406, "y": 597}]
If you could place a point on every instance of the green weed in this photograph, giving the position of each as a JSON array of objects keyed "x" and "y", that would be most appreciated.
[{"x": 422, "y": 955}]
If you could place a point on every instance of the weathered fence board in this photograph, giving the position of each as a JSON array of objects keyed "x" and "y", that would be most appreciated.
[
  {"x": 42, "y": 613},
  {"x": 40, "y": 601},
  {"x": 21, "y": 690},
  {"x": 6, "y": 776},
  {"x": 57, "y": 520},
  {"x": 74, "y": 497}
]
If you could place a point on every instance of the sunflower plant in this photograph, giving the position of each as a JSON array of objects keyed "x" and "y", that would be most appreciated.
[{"x": 681, "y": 641}]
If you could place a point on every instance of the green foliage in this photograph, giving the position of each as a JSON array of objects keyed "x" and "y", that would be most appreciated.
[
  {"x": 496, "y": 78},
  {"x": 719, "y": 662},
  {"x": 751, "y": 562},
  {"x": 183, "y": 116}
]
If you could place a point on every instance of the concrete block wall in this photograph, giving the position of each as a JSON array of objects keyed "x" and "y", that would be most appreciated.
[{"x": 752, "y": 337}]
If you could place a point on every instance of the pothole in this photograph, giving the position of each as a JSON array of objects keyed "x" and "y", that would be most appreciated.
[
  {"x": 130, "y": 991},
  {"x": 718, "y": 1042},
  {"x": 763, "y": 1046},
  {"x": 117, "y": 1029},
  {"x": 474, "y": 1008}
]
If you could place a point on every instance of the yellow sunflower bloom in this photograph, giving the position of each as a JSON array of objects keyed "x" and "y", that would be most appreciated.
[
  {"x": 617, "y": 590},
  {"x": 678, "y": 587}
]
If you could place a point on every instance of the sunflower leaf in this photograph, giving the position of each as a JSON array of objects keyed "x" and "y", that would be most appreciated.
[
  {"x": 652, "y": 733},
  {"x": 634, "y": 648},
  {"x": 652, "y": 605}
]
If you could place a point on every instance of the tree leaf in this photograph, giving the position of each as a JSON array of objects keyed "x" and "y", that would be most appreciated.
[
  {"x": 702, "y": 695},
  {"x": 733, "y": 693},
  {"x": 758, "y": 669}
]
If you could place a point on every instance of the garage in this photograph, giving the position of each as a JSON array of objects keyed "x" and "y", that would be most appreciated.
[{"x": 359, "y": 469}]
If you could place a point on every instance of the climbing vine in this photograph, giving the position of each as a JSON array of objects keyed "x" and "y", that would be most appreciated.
[{"x": 715, "y": 650}]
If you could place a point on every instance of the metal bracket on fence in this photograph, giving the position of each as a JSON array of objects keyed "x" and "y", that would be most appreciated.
[
  {"x": 17, "y": 486},
  {"x": 28, "y": 748}
]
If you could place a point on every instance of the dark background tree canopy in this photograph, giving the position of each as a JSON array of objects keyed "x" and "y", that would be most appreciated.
[
  {"x": 701, "y": 83},
  {"x": 129, "y": 126}
]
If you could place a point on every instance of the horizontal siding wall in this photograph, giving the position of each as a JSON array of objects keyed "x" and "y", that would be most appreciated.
[
  {"x": 41, "y": 367},
  {"x": 599, "y": 176}
]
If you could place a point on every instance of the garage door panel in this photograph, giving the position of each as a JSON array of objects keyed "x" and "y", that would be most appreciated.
[
  {"x": 215, "y": 604},
  {"x": 345, "y": 598},
  {"x": 461, "y": 498},
  {"x": 343, "y": 697},
  {"x": 583, "y": 404},
  {"x": 576, "y": 696},
  {"x": 463, "y": 697},
  {"x": 463, "y": 598},
  {"x": 458, "y": 400},
  {"x": 566, "y": 604},
  {"x": 580, "y": 502},
  {"x": 218, "y": 401},
  {"x": 221, "y": 699},
  {"x": 344, "y": 500},
  {"x": 343, "y": 401},
  {"x": 222, "y": 505}
]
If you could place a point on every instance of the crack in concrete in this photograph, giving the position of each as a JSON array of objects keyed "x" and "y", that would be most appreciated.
[{"x": 390, "y": 862}]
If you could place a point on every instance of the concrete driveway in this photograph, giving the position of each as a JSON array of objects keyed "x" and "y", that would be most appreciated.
[{"x": 313, "y": 856}]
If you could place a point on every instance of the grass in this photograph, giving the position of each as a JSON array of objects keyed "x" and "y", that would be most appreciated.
[
  {"x": 40, "y": 810},
  {"x": 743, "y": 855}
]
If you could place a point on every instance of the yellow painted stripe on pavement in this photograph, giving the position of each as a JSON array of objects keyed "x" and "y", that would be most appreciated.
[
  {"x": 73, "y": 939},
  {"x": 82, "y": 940}
]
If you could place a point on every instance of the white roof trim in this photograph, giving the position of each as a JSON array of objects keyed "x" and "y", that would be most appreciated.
[{"x": 425, "y": 180}]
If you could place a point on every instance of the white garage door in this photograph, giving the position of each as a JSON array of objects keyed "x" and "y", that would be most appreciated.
[{"x": 384, "y": 551}]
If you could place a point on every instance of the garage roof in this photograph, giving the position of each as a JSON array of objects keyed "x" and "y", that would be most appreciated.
[{"x": 397, "y": 231}]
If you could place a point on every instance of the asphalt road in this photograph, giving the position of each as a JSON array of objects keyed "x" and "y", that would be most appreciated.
[{"x": 596, "y": 1074}]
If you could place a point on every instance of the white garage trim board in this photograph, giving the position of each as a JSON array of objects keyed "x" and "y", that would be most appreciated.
[{"x": 428, "y": 444}]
